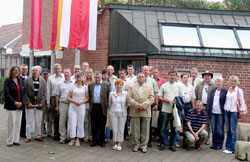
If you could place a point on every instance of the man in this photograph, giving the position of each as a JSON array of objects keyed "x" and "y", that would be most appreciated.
[
  {"x": 46, "y": 120},
  {"x": 36, "y": 94},
  {"x": 85, "y": 65},
  {"x": 62, "y": 103},
  {"x": 140, "y": 97},
  {"x": 159, "y": 80},
  {"x": 188, "y": 92},
  {"x": 24, "y": 75},
  {"x": 151, "y": 71},
  {"x": 167, "y": 94},
  {"x": 194, "y": 80},
  {"x": 203, "y": 92},
  {"x": 77, "y": 68},
  {"x": 131, "y": 78},
  {"x": 98, "y": 100},
  {"x": 112, "y": 78},
  {"x": 196, "y": 122},
  {"x": 53, "y": 81},
  {"x": 151, "y": 81}
]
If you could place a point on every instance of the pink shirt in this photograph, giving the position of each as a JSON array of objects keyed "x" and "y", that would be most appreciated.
[{"x": 160, "y": 81}]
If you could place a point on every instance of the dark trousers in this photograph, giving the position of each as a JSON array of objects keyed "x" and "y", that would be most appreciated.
[
  {"x": 166, "y": 118},
  {"x": 23, "y": 125},
  {"x": 98, "y": 123},
  {"x": 127, "y": 124},
  {"x": 55, "y": 116}
]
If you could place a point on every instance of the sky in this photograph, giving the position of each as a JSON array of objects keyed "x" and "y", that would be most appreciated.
[{"x": 11, "y": 11}]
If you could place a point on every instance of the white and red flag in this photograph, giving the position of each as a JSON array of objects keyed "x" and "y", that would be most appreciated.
[{"x": 75, "y": 23}]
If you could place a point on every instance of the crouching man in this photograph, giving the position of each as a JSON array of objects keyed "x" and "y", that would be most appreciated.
[{"x": 196, "y": 123}]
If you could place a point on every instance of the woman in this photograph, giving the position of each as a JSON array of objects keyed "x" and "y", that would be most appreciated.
[
  {"x": 234, "y": 106},
  {"x": 14, "y": 95},
  {"x": 78, "y": 97},
  {"x": 118, "y": 113},
  {"x": 88, "y": 79},
  {"x": 216, "y": 113}
]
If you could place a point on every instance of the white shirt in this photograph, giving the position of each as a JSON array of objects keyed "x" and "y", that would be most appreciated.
[
  {"x": 188, "y": 92},
  {"x": 228, "y": 103},
  {"x": 119, "y": 104},
  {"x": 52, "y": 82},
  {"x": 130, "y": 79},
  {"x": 62, "y": 90},
  {"x": 216, "y": 104},
  {"x": 204, "y": 94}
]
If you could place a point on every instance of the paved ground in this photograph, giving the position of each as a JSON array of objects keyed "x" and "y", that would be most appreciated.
[{"x": 35, "y": 151}]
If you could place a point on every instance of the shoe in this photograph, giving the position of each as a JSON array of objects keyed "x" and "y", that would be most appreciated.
[
  {"x": 198, "y": 146},
  {"x": 71, "y": 143},
  {"x": 218, "y": 148},
  {"x": 126, "y": 138},
  {"x": 27, "y": 140},
  {"x": 114, "y": 147},
  {"x": 77, "y": 144},
  {"x": 51, "y": 135},
  {"x": 17, "y": 144},
  {"x": 9, "y": 145},
  {"x": 207, "y": 142},
  {"x": 56, "y": 138},
  {"x": 212, "y": 147},
  {"x": 227, "y": 152},
  {"x": 102, "y": 144},
  {"x": 144, "y": 150},
  {"x": 162, "y": 147},
  {"x": 177, "y": 145},
  {"x": 172, "y": 148},
  {"x": 150, "y": 145},
  {"x": 135, "y": 149},
  {"x": 40, "y": 139},
  {"x": 93, "y": 144},
  {"x": 85, "y": 140},
  {"x": 62, "y": 141},
  {"x": 119, "y": 148}
]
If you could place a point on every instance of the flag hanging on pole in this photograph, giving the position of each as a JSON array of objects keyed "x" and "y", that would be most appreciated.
[
  {"x": 77, "y": 26},
  {"x": 36, "y": 20}
]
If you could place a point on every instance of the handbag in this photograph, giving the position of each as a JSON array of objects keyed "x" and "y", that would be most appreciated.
[
  {"x": 155, "y": 117},
  {"x": 177, "y": 121}
]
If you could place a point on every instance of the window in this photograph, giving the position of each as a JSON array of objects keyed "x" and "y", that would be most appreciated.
[
  {"x": 180, "y": 36},
  {"x": 244, "y": 36},
  {"x": 219, "y": 38}
]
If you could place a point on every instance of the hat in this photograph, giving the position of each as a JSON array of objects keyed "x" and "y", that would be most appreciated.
[
  {"x": 207, "y": 73},
  {"x": 45, "y": 71}
]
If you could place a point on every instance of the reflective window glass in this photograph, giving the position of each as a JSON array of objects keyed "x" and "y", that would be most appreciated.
[{"x": 244, "y": 36}]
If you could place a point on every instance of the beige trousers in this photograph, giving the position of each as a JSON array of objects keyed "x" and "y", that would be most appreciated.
[
  {"x": 191, "y": 139},
  {"x": 63, "y": 118},
  {"x": 118, "y": 124},
  {"x": 14, "y": 125},
  {"x": 140, "y": 131}
]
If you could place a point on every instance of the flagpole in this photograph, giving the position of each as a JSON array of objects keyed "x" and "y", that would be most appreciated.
[
  {"x": 52, "y": 60},
  {"x": 77, "y": 56},
  {"x": 31, "y": 61}
]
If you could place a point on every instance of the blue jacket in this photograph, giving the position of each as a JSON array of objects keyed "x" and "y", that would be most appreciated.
[{"x": 223, "y": 95}]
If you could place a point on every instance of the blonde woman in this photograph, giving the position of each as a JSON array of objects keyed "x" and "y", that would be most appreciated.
[
  {"x": 78, "y": 97},
  {"x": 88, "y": 79},
  {"x": 234, "y": 106},
  {"x": 118, "y": 113}
]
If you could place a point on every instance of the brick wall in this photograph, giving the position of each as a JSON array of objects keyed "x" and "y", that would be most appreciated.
[
  {"x": 97, "y": 59},
  {"x": 242, "y": 70}
]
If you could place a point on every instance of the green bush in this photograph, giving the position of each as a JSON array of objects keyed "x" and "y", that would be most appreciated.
[{"x": 1, "y": 89}]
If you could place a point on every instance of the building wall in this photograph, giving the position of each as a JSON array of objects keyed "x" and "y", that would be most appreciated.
[{"x": 242, "y": 70}]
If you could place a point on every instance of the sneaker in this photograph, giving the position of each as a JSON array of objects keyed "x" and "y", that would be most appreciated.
[
  {"x": 114, "y": 147},
  {"x": 227, "y": 152},
  {"x": 119, "y": 148},
  {"x": 177, "y": 145}
]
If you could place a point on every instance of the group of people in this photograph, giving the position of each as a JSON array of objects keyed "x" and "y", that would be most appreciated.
[{"x": 89, "y": 106}]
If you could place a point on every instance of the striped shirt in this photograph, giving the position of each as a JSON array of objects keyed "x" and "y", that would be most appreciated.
[
  {"x": 196, "y": 120},
  {"x": 36, "y": 86}
]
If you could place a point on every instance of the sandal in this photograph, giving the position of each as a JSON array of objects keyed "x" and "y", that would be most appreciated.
[
  {"x": 77, "y": 143},
  {"x": 71, "y": 143}
]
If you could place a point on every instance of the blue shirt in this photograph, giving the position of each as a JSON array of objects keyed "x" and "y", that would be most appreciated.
[
  {"x": 196, "y": 120},
  {"x": 97, "y": 93}
]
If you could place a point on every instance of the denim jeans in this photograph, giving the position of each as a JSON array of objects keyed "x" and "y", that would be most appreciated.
[
  {"x": 166, "y": 118},
  {"x": 231, "y": 119},
  {"x": 217, "y": 125},
  {"x": 107, "y": 135}
]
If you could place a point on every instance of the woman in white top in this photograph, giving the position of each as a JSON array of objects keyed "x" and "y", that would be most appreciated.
[
  {"x": 234, "y": 107},
  {"x": 78, "y": 97},
  {"x": 118, "y": 113}
]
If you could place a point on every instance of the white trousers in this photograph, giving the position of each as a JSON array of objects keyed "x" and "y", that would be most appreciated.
[
  {"x": 30, "y": 115},
  {"x": 14, "y": 125},
  {"x": 63, "y": 118},
  {"x": 76, "y": 120},
  {"x": 118, "y": 124}
]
